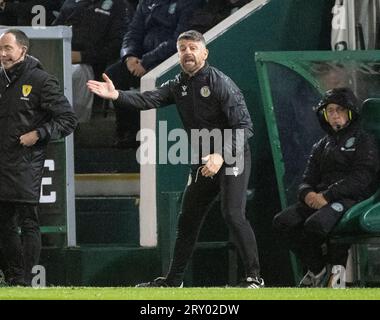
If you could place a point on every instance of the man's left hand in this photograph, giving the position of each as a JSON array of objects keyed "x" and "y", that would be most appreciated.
[
  {"x": 29, "y": 139},
  {"x": 319, "y": 202},
  {"x": 213, "y": 164}
]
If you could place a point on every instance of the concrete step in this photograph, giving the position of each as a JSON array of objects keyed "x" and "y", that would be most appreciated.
[
  {"x": 107, "y": 220},
  {"x": 106, "y": 265},
  {"x": 94, "y": 151},
  {"x": 105, "y": 160},
  {"x": 110, "y": 266},
  {"x": 98, "y": 132},
  {"x": 107, "y": 184}
]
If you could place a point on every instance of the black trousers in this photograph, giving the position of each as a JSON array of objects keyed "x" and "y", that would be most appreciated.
[
  {"x": 127, "y": 119},
  {"x": 198, "y": 196},
  {"x": 305, "y": 230},
  {"x": 21, "y": 251}
]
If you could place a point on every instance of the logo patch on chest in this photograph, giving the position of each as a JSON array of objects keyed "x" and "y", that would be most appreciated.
[
  {"x": 172, "y": 8},
  {"x": 26, "y": 90},
  {"x": 205, "y": 92},
  {"x": 184, "y": 91},
  {"x": 349, "y": 145},
  {"x": 107, "y": 5},
  {"x": 350, "y": 142}
]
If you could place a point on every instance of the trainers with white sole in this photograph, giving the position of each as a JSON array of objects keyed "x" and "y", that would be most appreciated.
[
  {"x": 252, "y": 283},
  {"x": 312, "y": 280}
]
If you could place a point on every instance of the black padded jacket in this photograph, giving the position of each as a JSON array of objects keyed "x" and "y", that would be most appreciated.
[
  {"x": 30, "y": 99},
  {"x": 208, "y": 100},
  {"x": 342, "y": 165}
]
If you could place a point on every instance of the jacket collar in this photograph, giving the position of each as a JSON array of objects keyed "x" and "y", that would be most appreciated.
[
  {"x": 18, "y": 69},
  {"x": 346, "y": 131},
  {"x": 199, "y": 73}
]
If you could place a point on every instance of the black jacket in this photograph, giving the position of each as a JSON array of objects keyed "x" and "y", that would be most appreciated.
[
  {"x": 154, "y": 30},
  {"x": 21, "y": 10},
  {"x": 342, "y": 165},
  {"x": 98, "y": 27},
  {"x": 208, "y": 100},
  {"x": 30, "y": 99}
]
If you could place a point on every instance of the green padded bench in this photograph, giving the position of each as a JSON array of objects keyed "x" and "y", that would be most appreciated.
[{"x": 361, "y": 222}]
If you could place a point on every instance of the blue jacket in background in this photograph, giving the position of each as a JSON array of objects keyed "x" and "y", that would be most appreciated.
[{"x": 154, "y": 30}]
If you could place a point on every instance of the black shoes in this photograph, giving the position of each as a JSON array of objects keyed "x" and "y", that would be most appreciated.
[
  {"x": 160, "y": 282},
  {"x": 252, "y": 283},
  {"x": 17, "y": 283}
]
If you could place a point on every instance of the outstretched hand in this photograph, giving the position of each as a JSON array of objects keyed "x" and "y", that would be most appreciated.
[{"x": 105, "y": 89}]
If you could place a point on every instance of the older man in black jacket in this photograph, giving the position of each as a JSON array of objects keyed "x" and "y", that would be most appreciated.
[
  {"x": 341, "y": 171},
  {"x": 32, "y": 110}
]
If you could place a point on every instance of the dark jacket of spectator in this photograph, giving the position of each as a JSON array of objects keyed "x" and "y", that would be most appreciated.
[
  {"x": 19, "y": 12},
  {"x": 130, "y": 10},
  {"x": 98, "y": 27},
  {"x": 153, "y": 32}
]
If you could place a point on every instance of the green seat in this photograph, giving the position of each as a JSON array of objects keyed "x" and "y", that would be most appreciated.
[
  {"x": 370, "y": 220},
  {"x": 361, "y": 218}
]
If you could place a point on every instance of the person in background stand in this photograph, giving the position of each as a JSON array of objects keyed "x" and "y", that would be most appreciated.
[
  {"x": 21, "y": 13},
  {"x": 150, "y": 40},
  {"x": 98, "y": 27}
]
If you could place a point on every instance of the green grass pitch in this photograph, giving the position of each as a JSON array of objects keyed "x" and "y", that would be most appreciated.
[{"x": 128, "y": 293}]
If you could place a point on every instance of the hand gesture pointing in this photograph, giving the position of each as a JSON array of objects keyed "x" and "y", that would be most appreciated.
[{"x": 105, "y": 89}]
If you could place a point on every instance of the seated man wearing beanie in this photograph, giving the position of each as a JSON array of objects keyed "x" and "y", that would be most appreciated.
[{"x": 341, "y": 171}]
